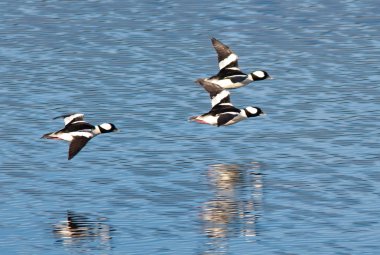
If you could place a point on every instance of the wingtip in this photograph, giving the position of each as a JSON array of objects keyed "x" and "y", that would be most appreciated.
[
  {"x": 63, "y": 116},
  {"x": 60, "y": 116},
  {"x": 67, "y": 115},
  {"x": 204, "y": 82},
  {"x": 199, "y": 80},
  {"x": 215, "y": 41},
  {"x": 46, "y": 136}
]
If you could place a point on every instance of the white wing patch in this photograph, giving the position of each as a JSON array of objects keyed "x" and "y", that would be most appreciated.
[
  {"x": 209, "y": 119},
  {"x": 68, "y": 119},
  {"x": 64, "y": 136},
  {"x": 234, "y": 68},
  {"x": 225, "y": 62},
  {"x": 82, "y": 134},
  {"x": 219, "y": 97}
]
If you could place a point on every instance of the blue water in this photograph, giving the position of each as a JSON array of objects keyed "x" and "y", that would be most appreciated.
[{"x": 305, "y": 179}]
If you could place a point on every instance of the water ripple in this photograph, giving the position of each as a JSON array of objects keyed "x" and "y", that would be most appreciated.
[{"x": 302, "y": 180}]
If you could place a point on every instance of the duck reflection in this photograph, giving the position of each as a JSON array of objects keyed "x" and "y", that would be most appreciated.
[
  {"x": 235, "y": 207},
  {"x": 80, "y": 228}
]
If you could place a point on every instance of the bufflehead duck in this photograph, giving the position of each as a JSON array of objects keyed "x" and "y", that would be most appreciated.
[
  {"x": 223, "y": 113},
  {"x": 78, "y": 132},
  {"x": 230, "y": 76}
]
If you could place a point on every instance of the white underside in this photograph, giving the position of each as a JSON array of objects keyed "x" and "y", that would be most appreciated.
[
  {"x": 228, "y": 84},
  {"x": 70, "y": 136},
  {"x": 213, "y": 120},
  {"x": 208, "y": 119}
]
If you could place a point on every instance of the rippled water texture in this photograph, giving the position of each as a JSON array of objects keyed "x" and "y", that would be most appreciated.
[{"x": 302, "y": 180}]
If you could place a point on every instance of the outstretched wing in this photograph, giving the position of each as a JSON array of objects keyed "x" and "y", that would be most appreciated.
[
  {"x": 78, "y": 143},
  {"x": 72, "y": 117},
  {"x": 218, "y": 95},
  {"x": 226, "y": 57}
]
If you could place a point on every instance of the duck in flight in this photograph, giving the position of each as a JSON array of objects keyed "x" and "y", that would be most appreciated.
[
  {"x": 223, "y": 113},
  {"x": 78, "y": 132},
  {"x": 230, "y": 76}
]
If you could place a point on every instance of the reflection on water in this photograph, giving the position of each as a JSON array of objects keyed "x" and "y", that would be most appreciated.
[
  {"x": 235, "y": 208},
  {"x": 79, "y": 230}
]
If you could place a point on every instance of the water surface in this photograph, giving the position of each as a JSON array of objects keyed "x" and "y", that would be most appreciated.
[{"x": 302, "y": 180}]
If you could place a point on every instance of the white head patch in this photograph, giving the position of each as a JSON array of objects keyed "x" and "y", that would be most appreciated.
[
  {"x": 106, "y": 126},
  {"x": 259, "y": 74},
  {"x": 251, "y": 109}
]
